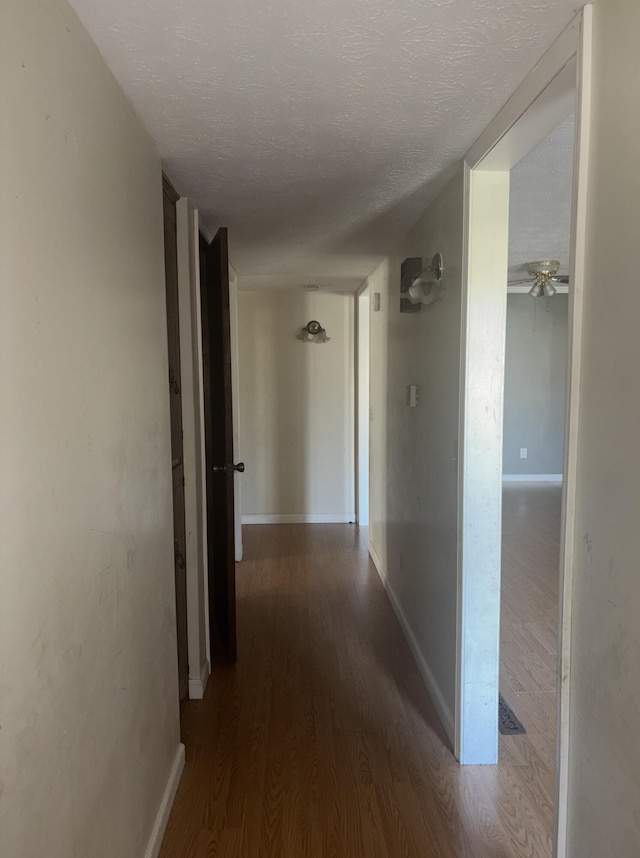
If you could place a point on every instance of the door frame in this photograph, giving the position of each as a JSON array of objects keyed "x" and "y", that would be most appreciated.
[
  {"x": 193, "y": 445},
  {"x": 190, "y": 225},
  {"x": 170, "y": 198},
  {"x": 362, "y": 402},
  {"x": 560, "y": 82}
]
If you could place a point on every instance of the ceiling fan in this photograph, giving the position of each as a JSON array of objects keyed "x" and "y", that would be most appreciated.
[{"x": 544, "y": 273}]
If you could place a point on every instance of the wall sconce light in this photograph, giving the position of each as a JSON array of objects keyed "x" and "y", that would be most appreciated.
[
  {"x": 313, "y": 332},
  {"x": 420, "y": 283}
]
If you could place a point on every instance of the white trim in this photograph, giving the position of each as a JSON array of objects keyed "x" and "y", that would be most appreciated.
[
  {"x": 492, "y": 150},
  {"x": 302, "y": 518},
  {"x": 162, "y": 817},
  {"x": 532, "y": 478},
  {"x": 192, "y": 424},
  {"x": 204, "y": 229},
  {"x": 362, "y": 288},
  {"x": 574, "y": 365},
  {"x": 436, "y": 695},
  {"x": 523, "y": 289},
  {"x": 362, "y": 402},
  {"x": 198, "y": 685},
  {"x": 461, "y": 446},
  {"x": 480, "y": 470}
]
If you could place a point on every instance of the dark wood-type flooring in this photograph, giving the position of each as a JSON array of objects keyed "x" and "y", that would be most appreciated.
[{"x": 322, "y": 741}]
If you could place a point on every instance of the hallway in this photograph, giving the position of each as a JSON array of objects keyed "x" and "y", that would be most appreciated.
[
  {"x": 323, "y": 742},
  {"x": 332, "y": 142}
]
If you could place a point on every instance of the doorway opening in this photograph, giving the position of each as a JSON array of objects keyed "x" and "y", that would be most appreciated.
[
  {"x": 296, "y": 396},
  {"x": 557, "y": 86},
  {"x": 537, "y": 336}
]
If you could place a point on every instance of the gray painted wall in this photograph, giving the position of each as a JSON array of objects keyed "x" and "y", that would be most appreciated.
[
  {"x": 534, "y": 384},
  {"x": 413, "y": 516}
]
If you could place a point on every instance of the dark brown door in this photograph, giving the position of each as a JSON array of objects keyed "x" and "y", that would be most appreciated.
[
  {"x": 218, "y": 423},
  {"x": 173, "y": 334}
]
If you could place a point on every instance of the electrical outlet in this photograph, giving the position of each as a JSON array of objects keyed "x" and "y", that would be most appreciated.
[{"x": 523, "y": 452}]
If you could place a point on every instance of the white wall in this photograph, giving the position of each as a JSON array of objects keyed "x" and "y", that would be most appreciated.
[
  {"x": 535, "y": 384},
  {"x": 297, "y": 406},
  {"x": 604, "y": 736},
  {"x": 414, "y": 471},
  {"x": 88, "y": 674}
]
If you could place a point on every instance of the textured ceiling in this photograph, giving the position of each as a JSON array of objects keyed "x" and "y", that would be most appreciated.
[
  {"x": 317, "y": 131},
  {"x": 540, "y": 202}
]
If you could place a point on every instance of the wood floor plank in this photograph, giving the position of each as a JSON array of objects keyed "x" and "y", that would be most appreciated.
[{"x": 322, "y": 740}]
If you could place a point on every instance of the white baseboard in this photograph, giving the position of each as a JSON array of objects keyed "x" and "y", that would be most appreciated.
[
  {"x": 302, "y": 518},
  {"x": 532, "y": 478},
  {"x": 377, "y": 562},
  {"x": 197, "y": 686},
  {"x": 162, "y": 817},
  {"x": 446, "y": 717}
]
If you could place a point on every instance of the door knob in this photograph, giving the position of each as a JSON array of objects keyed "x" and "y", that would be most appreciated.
[{"x": 229, "y": 469}]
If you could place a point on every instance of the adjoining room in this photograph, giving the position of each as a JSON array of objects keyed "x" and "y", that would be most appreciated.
[{"x": 540, "y": 205}]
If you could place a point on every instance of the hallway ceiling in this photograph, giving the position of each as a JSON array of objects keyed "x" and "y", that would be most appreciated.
[{"x": 317, "y": 131}]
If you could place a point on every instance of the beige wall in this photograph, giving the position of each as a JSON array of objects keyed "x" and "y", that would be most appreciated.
[
  {"x": 604, "y": 779},
  {"x": 296, "y": 405},
  {"x": 88, "y": 708},
  {"x": 413, "y": 514}
]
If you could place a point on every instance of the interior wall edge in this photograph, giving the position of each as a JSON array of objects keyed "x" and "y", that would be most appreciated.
[
  {"x": 166, "y": 803},
  {"x": 435, "y": 693}
]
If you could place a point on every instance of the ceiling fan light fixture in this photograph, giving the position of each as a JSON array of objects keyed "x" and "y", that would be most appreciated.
[
  {"x": 543, "y": 267},
  {"x": 543, "y": 270},
  {"x": 537, "y": 289}
]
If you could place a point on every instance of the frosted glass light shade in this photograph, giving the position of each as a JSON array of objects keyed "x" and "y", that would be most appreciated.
[{"x": 313, "y": 332}]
